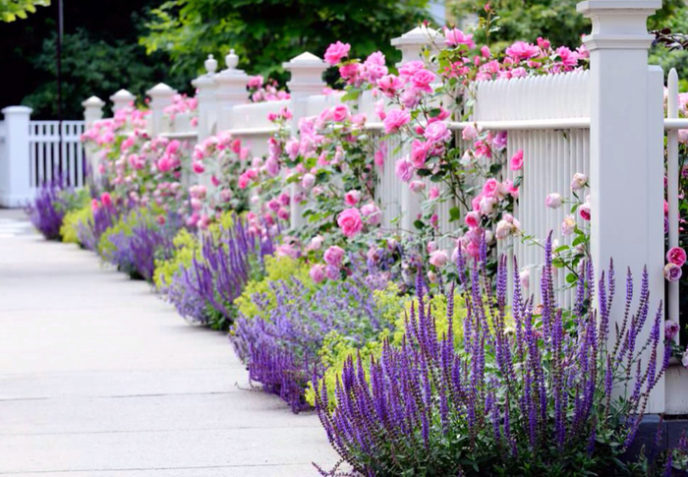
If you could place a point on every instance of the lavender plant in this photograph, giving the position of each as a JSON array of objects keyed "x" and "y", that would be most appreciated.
[
  {"x": 533, "y": 400},
  {"x": 204, "y": 291},
  {"x": 102, "y": 218},
  {"x": 281, "y": 350},
  {"x": 135, "y": 241},
  {"x": 47, "y": 210}
]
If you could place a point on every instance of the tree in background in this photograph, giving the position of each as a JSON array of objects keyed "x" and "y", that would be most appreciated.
[
  {"x": 100, "y": 55},
  {"x": 501, "y": 22},
  {"x": 10, "y": 10},
  {"x": 266, "y": 33}
]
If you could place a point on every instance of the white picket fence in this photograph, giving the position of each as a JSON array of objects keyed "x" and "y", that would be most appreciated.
[
  {"x": 607, "y": 123},
  {"x": 30, "y": 155}
]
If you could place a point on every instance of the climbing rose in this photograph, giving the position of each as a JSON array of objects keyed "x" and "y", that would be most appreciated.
[
  {"x": 336, "y": 51},
  {"x": 340, "y": 112},
  {"x": 317, "y": 272},
  {"x": 455, "y": 37},
  {"x": 438, "y": 258},
  {"x": 670, "y": 329},
  {"x": 371, "y": 214},
  {"x": 553, "y": 200},
  {"x": 404, "y": 169},
  {"x": 675, "y": 255},
  {"x": 352, "y": 197},
  {"x": 521, "y": 50},
  {"x": 349, "y": 221},
  {"x": 333, "y": 256},
  {"x": 395, "y": 119},
  {"x": 472, "y": 219},
  {"x": 437, "y": 132},
  {"x": 672, "y": 272},
  {"x": 584, "y": 212},
  {"x": 578, "y": 181},
  {"x": 568, "y": 225},
  {"x": 107, "y": 201},
  {"x": 517, "y": 160}
]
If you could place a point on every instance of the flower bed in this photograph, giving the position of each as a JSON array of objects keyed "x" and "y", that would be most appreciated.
[{"x": 408, "y": 342}]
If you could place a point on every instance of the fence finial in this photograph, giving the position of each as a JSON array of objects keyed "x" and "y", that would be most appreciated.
[
  {"x": 121, "y": 99},
  {"x": 93, "y": 109},
  {"x": 231, "y": 89},
  {"x": 306, "y": 74},
  {"x": 210, "y": 64},
  {"x": 206, "y": 87},
  {"x": 412, "y": 42}
]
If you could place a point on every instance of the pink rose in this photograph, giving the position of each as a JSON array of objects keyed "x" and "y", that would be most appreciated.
[
  {"x": 454, "y": 37},
  {"x": 584, "y": 212},
  {"x": 419, "y": 152},
  {"x": 352, "y": 197},
  {"x": 340, "y": 112},
  {"x": 438, "y": 258},
  {"x": 164, "y": 164},
  {"x": 371, "y": 214},
  {"x": 516, "y": 162},
  {"x": 333, "y": 256},
  {"x": 490, "y": 187},
  {"x": 434, "y": 192},
  {"x": 336, "y": 51},
  {"x": 568, "y": 225},
  {"x": 332, "y": 273},
  {"x": 317, "y": 272},
  {"x": 417, "y": 186},
  {"x": 472, "y": 219},
  {"x": 395, "y": 119},
  {"x": 197, "y": 167},
  {"x": 553, "y": 200},
  {"x": 578, "y": 182},
  {"x": 307, "y": 181},
  {"x": 672, "y": 272},
  {"x": 675, "y": 255},
  {"x": 349, "y": 220},
  {"x": 520, "y": 50},
  {"x": 469, "y": 133},
  {"x": 671, "y": 329},
  {"x": 421, "y": 80},
  {"x": 404, "y": 169},
  {"x": 389, "y": 85},
  {"x": 107, "y": 200},
  {"x": 437, "y": 132}
]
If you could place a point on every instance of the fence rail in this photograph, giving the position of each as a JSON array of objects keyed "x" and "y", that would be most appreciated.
[{"x": 32, "y": 154}]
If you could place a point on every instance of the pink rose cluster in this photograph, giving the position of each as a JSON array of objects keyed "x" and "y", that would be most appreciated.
[{"x": 676, "y": 258}]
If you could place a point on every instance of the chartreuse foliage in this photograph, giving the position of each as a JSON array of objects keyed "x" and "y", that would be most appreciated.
[
  {"x": 11, "y": 10},
  {"x": 70, "y": 224}
]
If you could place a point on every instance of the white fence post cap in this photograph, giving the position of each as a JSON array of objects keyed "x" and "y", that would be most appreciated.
[
  {"x": 618, "y": 24},
  {"x": 304, "y": 60},
  {"x": 122, "y": 95},
  {"x": 93, "y": 102},
  {"x": 16, "y": 110},
  {"x": 161, "y": 90},
  {"x": 421, "y": 35}
]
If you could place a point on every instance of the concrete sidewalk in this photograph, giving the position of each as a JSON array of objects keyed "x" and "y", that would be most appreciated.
[{"x": 99, "y": 377}]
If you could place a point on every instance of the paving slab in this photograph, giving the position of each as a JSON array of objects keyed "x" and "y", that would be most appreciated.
[{"x": 99, "y": 377}]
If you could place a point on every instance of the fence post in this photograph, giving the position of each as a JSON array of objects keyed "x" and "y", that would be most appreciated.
[
  {"x": 626, "y": 153},
  {"x": 15, "y": 170},
  {"x": 205, "y": 86},
  {"x": 93, "y": 110},
  {"x": 306, "y": 72},
  {"x": 121, "y": 99},
  {"x": 411, "y": 45},
  {"x": 161, "y": 97},
  {"x": 231, "y": 90}
]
